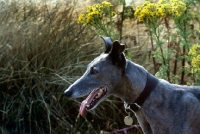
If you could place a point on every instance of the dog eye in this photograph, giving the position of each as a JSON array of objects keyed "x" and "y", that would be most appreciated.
[{"x": 93, "y": 70}]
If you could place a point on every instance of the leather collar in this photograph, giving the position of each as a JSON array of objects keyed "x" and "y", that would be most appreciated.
[{"x": 151, "y": 83}]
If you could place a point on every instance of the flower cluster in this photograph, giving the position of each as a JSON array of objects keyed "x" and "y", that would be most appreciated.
[
  {"x": 195, "y": 55},
  {"x": 161, "y": 9},
  {"x": 95, "y": 13}
]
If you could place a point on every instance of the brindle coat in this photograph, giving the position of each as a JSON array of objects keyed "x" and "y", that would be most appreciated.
[{"x": 170, "y": 108}]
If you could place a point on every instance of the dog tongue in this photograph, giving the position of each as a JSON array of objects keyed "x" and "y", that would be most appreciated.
[{"x": 87, "y": 101}]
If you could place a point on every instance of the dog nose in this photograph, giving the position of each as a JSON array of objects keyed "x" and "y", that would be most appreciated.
[{"x": 68, "y": 93}]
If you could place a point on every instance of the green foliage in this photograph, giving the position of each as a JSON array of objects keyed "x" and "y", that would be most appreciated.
[
  {"x": 128, "y": 12},
  {"x": 173, "y": 18},
  {"x": 99, "y": 17},
  {"x": 168, "y": 22}
]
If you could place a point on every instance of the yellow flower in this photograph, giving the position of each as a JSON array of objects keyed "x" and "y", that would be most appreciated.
[
  {"x": 194, "y": 53},
  {"x": 107, "y": 4},
  {"x": 80, "y": 18},
  {"x": 113, "y": 13},
  {"x": 196, "y": 63},
  {"x": 195, "y": 50},
  {"x": 159, "y": 10},
  {"x": 95, "y": 13},
  {"x": 89, "y": 9}
]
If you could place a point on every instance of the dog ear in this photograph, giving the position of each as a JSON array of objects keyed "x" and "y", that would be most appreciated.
[
  {"x": 117, "y": 55},
  {"x": 108, "y": 42}
]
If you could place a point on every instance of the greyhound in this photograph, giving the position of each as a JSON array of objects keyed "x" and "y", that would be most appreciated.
[{"x": 160, "y": 107}]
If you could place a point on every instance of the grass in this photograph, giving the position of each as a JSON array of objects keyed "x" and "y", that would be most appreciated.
[{"x": 42, "y": 51}]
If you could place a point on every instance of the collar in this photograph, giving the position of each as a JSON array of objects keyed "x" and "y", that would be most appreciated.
[{"x": 150, "y": 85}]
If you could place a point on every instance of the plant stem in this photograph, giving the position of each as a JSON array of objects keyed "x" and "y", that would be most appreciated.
[
  {"x": 183, "y": 64},
  {"x": 168, "y": 47},
  {"x": 154, "y": 60},
  {"x": 122, "y": 20},
  {"x": 159, "y": 44},
  {"x": 185, "y": 46},
  {"x": 176, "y": 57}
]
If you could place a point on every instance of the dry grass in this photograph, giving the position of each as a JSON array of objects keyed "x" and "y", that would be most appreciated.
[{"x": 42, "y": 51}]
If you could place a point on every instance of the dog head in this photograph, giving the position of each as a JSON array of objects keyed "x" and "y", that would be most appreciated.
[{"x": 103, "y": 77}]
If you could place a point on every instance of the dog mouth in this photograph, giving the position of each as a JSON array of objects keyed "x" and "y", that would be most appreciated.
[{"x": 92, "y": 100}]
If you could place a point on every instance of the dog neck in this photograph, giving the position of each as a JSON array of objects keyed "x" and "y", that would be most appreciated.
[
  {"x": 138, "y": 84},
  {"x": 150, "y": 85}
]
